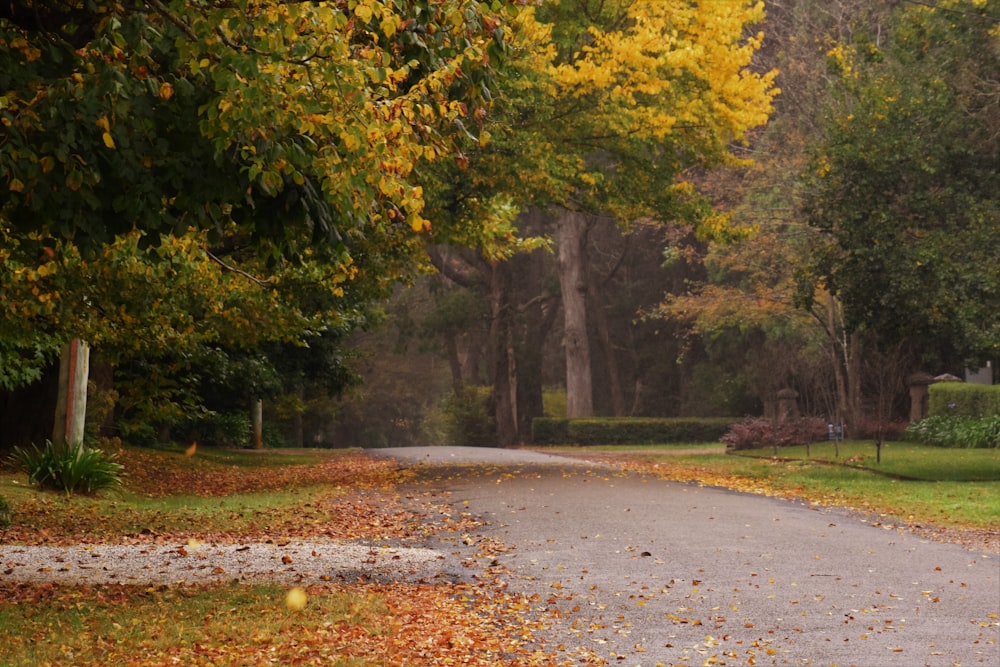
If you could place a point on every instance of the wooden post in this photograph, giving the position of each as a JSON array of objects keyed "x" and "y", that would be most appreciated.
[
  {"x": 71, "y": 403},
  {"x": 257, "y": 419}
]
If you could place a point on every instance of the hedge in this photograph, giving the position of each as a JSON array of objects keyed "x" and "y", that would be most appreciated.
[
  {"x": 548, "y": 431},
  {"x": 628, "y": 430},
  {"x": 958, "y": 399}
]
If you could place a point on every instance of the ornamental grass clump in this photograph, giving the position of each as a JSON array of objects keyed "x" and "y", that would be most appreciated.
[{"x": 74, "y": 468}]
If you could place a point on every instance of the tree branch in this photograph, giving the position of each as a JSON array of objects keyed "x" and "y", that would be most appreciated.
[{"x": 238, "y": 271}]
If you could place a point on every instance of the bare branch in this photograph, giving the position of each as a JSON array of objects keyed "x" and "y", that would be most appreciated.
[{"x": 238, "y": 271}]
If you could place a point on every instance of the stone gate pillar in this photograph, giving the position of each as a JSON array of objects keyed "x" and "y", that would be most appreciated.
[
  {"x": 788, "y": 407},
  {"x": 919, "y": 395}
]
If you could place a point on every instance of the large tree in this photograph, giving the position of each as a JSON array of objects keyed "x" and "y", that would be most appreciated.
[
  {"x": 602, "y": 108},
  {"x": 259, "y": 146},
  {"x": 615, "y": 101},
  {"x": 290, "y": 120},
  {"x": 905, "y": 182}
]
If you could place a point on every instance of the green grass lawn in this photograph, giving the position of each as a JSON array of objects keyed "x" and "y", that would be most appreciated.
[{"x": 902, "y": 459}]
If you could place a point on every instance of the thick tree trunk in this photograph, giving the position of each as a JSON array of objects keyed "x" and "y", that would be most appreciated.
[
  {"x": 504, "y": 399},
  {"x": 571, "y": 238},
  {"x": 530, "y": 361}
]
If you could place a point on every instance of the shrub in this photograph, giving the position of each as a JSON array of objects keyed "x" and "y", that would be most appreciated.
[
  {"x": 756, "y": 433},
  {"x": 958, "y": 399},
  {"x": 6, "y": 514},
  {"x": 945, "y": 431},
  {"x": 73, "y": 468},
  {"x": 633, "y": 430}
]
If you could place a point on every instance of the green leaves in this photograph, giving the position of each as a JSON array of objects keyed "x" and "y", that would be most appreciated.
[
  {"x": 906, "y": 186},
  {"x": 171, "y": 109}
]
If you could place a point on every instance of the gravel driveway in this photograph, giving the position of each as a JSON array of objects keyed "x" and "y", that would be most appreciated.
[{"x": 292, "y": 562}]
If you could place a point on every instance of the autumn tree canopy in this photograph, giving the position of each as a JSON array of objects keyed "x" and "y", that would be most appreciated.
[
  {"x": 616, "y": 101},
  {"x": 289, "y": 120},
  {"x": 265, "y": 150}
]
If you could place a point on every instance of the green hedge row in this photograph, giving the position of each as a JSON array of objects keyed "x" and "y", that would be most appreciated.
[
  {"x": 628, "y": 430},
  {"x": 958, "y": 399}
]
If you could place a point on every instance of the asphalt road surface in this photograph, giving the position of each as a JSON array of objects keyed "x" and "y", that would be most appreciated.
[{"x": 648, "y": 572}]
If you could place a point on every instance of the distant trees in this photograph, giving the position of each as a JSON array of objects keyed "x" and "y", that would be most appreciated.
[
  {"x": 870, "y": 184},
  {"x": 602, "y": 107}
]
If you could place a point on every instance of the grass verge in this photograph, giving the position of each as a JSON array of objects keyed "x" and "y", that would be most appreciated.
[
  {"x": 915, "y": 483},
  {"x": 219, "y": 494}
]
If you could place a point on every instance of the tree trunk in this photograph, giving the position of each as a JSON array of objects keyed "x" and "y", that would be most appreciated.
[
  {"x": 610, "y": 355},
  {"x": 530, "y": 361},
  {"x": 454, "y": 361},
  {"x": 504, "y": 399},
  {"x": 845, "y": 351},
  {"x": 571, "y": 238},
  {"x": 854, "y": 411},
  {"x": 257, "y": 421},
  {"x": 71, "y": 406}
]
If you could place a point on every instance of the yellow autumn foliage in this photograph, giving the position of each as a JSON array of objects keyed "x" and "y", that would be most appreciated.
[
  {"x": 672, "y": 63},
  {"x": 664, "y": 84}
]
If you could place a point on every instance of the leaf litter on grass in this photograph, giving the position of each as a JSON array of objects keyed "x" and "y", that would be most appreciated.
[
  {"x": 362, "y": 624},
  {"x": 348, "y": 496}
]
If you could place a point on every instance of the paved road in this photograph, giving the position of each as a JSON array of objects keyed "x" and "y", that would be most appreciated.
[{"x": 648, "y": 572}]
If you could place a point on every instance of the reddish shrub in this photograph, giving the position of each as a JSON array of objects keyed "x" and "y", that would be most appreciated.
[
  {"x": 756, "y": 433},
  {"x": 890, "y": 430}
]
